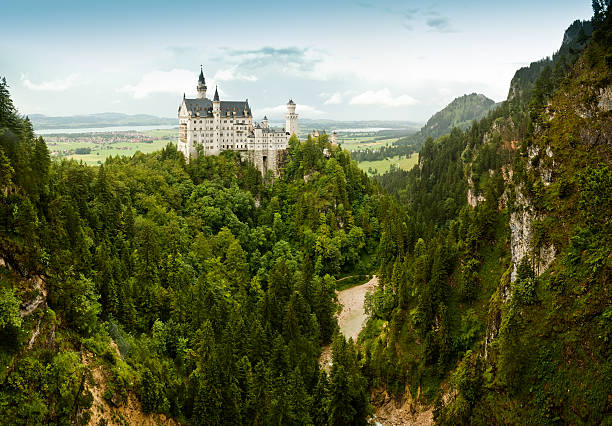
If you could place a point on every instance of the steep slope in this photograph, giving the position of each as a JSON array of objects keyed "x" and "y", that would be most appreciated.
[
  {"x": 461, "y": 112},
  {"x": 494, "y": 304}
]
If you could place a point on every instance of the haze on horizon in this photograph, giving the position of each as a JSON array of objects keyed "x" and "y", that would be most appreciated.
[{"x": 345, "y": 60}]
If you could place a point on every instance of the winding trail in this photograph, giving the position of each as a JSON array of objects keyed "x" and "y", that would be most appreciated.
[{"x": 352, "y": 317}]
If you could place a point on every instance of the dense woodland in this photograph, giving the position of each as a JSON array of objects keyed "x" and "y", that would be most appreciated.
[
  {"x": 205, "y": 291},
  {"x": 456, "y": 321},
  {"x": 216, "y": 285}
]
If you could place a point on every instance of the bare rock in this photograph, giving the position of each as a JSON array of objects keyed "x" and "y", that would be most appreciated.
[{"x": 605, "y": 99}]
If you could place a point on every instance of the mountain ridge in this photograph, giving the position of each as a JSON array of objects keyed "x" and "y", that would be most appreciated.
[
  {"x": 460, "y": 112},
  {"x": 103, "y": 119}
]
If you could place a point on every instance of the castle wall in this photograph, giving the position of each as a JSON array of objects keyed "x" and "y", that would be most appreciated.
[{"x": 266, "y": 159}]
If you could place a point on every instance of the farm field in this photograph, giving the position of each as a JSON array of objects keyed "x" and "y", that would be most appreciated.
[
  {"x": 103, "y": 145},
  {"x": 355, "y": 143},
  {"x": 128, "y": 149},
  {"x": 382, "y": 166}
]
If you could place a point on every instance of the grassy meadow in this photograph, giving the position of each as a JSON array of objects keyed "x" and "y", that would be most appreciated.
[
  {"x": 103, "y": 145},
  {"x": 382, "y": 166},
  {"x": 355, "y": 143}
]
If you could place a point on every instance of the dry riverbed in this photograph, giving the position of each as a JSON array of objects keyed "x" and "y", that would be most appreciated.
[
  {"x": 351, "y": 320},
  {"x": 352, "y": 317}
]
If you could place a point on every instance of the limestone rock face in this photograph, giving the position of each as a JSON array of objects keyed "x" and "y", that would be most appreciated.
[
  {"x": 605, "y": 99},
  {"x": 521, "y": 232},
  {"x": 545, "y": 258},
  {"x": 521, "y": 236},
  {"x": 472, "y": 198}
]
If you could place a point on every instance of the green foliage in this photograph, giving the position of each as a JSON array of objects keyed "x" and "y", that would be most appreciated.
[
  {"x": 348, "y": 393},
  {"x": 216, "y": 286},
  {"x": 9, "y": 308},
  {"x": 531, "y": 351}
]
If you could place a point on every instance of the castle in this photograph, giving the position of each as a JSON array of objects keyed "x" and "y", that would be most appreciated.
[{"x": 210, "y": 126}]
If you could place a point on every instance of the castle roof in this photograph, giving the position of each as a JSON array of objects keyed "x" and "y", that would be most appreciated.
[
  {"x": 201, "y": 78},
  {"x": 216, "y": 98},
  {"x": 204, "y": 108},
  {"x": 269, "y": 129},
  {"x": 273, "y": 130}
]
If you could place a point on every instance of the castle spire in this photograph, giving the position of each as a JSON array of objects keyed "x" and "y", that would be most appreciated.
[
  {"x": 201, "y": 84},
  {"x": 216, "y": 98}
]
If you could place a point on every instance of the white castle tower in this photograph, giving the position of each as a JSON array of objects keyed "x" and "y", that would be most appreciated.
[
  {"x": 291, "y": 118},
  {"x": 201, "y": 85}
]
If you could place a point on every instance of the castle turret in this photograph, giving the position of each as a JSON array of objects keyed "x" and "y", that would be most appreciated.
[
  {"x": 264, "y": 122},
  {"x": 201, "y": 85},
  {"x": 291, "y": 118},
  {"x": 216, "y": 101}
]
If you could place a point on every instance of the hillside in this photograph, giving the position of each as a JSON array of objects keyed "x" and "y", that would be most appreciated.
[
  {"x": 460, "y": 113},
  {"x": 107, "y": 119},
  {"x": 494, "y": 303}
]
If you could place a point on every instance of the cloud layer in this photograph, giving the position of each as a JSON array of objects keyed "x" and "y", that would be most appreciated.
[
  {"x": 383, "y": 97},
  {"x": 52, "y": 85},
  {"x": 305, "y": 111},
  {"x": 176, "y": 81}
]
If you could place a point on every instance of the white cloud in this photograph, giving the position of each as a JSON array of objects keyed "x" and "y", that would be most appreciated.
[
  {"x": 50, "y": 86},
  {"x": 174, "y": 81},
  {"x": 333, "y": 99},
  {"x": 232, "y": 73},
  {"x": 305, "y": 111},
  {"x": 383, "y": 97}
]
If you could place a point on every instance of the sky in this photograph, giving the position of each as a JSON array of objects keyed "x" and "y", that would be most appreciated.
[{"x": 342, "y": 60}]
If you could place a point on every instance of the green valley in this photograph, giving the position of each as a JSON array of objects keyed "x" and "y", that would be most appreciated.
[{"x": 456, "y": 274}]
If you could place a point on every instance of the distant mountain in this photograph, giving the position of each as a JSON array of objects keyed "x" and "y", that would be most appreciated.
[
  {"x": 459, "y": 113},
  {"x": 105, "y": 119},
  {"x": 330, "y": 125}
]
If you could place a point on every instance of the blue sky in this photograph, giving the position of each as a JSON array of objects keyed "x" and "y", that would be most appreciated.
[{"x": 365, "y": 59}]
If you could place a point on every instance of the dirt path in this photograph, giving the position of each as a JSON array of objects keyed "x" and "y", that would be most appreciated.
[{"x": 352, "y": 317}]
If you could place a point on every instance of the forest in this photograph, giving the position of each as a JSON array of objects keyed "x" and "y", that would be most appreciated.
[{"x": 204, "y": 291}]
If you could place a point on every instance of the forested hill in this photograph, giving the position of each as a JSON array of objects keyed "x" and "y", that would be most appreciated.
[
  {"x": 199, "y": 292},
  {"x": 461, "y": 112},
  {"x": 495, "y": 304}
]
